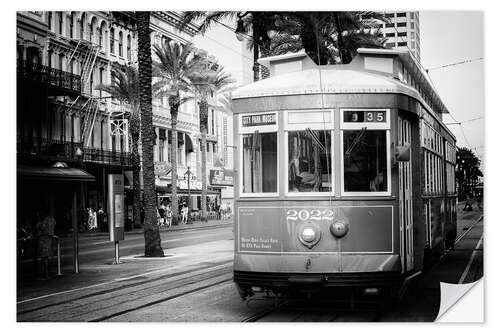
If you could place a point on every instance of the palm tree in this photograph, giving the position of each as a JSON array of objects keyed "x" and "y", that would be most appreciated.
[
  {"x": 255, "y": 25},
  {"x": 175, "y": 63},
  {"x": 333, "y": 33},
  {"x": 124, "y": 87},
  {"x": 208, "y": 78},
  {"x": 151, "y": 228}
]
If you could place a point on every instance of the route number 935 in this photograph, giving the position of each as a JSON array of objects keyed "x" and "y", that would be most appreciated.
[{"x": 309, "y": 215}]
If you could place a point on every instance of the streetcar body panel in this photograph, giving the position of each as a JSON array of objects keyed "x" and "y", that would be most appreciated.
[{"x": 322, "y": 197}]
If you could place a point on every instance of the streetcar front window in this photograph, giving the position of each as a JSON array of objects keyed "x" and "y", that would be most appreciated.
[
  {"x": 365, "y": 161},
  {"x": 309, "y": 161},
  {"x": 260, "y": 161}
]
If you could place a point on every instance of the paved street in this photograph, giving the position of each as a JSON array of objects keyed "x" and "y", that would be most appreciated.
[{"x": 194, "y": 283}]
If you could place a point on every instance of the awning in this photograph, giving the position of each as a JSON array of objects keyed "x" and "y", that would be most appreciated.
[
  {"x": 54, "y": 174},
  {"x": 168, "y": 190}
]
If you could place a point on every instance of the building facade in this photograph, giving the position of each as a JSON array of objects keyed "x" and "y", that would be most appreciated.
[{"x": 403, "y": 31}]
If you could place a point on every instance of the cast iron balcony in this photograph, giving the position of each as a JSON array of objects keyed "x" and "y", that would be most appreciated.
[
  {"x": 50, "y": 76},
  {"x": 103, "y": 156}
]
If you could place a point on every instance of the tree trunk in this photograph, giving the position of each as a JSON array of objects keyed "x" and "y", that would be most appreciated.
[
  {"x": 151, "y": 230},
  {"x": 173, "y": 102},
  {"x": 136, "y": 166},
  {"x": 256, "y": 66},
  {"x": 203, "y": 150}
]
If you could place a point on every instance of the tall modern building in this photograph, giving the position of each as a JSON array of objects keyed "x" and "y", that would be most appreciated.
[{"x": 403, "y": 31}]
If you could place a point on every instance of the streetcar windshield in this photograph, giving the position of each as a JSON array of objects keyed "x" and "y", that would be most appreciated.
[
  {"x": 365, "y": 160},
  {"x": 309, "y": 161},
  {"x": 260, "y": 160}
]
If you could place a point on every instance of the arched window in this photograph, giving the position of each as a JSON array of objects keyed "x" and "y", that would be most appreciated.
[
  {"x": 101, "y": 36},
  {"x": 129, "y": 50},
  {"x": 82, "y": 26},
  {"x": 120, "y": 44},
  {"x": 60, "y": 30},
  {"x": 112, "y": 40}
]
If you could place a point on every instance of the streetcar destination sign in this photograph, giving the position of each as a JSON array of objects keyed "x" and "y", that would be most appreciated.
[{"x": 259, "y": 119}]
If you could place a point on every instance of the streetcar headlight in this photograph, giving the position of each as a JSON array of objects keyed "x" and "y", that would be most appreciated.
[
  {"x": 308, "y": 234},
  {"x": 339, "y": 228}
]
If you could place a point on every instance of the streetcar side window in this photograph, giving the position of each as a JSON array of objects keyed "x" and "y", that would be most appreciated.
[
  {"x": 365, "y": 161},
  {"x": 260, "y": 163},
  {"x": 309, "y": 161}
]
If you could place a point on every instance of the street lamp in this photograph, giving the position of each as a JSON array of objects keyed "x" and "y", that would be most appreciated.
[{"x": 187, "y": 176}]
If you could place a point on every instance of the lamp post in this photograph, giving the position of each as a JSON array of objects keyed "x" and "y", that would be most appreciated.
[{"x": 187, "y": 176}]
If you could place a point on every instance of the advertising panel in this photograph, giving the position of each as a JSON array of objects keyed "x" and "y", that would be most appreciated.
[
  {"x": 116, "y": 218},
  {"x": 222, "y": 177},
  {"x": 276, "y": 229}
]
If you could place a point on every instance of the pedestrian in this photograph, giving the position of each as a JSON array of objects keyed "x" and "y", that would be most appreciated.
[
  {"x": 168, "y": 216},
  {"x": 184, "y": 213},
  {"x": 161, "y": 211},
  {"x": 479, "y": 199},
  {"x": 468, "y": 203},
  {"x": 92, "y": 219},
  {"x": 45, "y": 231},
  {"x": 100, "y": 220}
]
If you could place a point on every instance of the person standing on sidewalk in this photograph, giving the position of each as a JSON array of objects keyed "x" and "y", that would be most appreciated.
[
  {"x": 168, "y": 216},
  {"x": 184, "y": 213},
  {"x": 45, "y": 230},
  {"x": 468, "y": 203}
]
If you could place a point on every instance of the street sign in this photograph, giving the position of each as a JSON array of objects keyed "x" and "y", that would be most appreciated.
[{"x": 221, "y": 177}]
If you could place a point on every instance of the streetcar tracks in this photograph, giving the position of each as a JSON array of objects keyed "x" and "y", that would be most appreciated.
[
  {"x": 183, "y": 276},
  {"x": 165, "y": 299}
]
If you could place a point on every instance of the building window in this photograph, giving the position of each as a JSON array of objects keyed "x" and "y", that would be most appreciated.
[
  {"x": 82, "y": 26},
  {"x": 161, "y": 146},
  {"x": 71, "y": 25},
  {"x": 112, "y": 40},
  {"x": 61, "y": 60},
  {"x": 402, "y": 44},
  {"x": 100, "y": 31},
  {"x": 61, "y": 23},
  {"x": 120, "y": 44},
  {"x": 389, "y": 44},
  {"x": 390, "y": 34},
  {"x": 101, "y": 79},
  {"x": 389, "y": 25},
  {"x": 213, "y": 121},
  {"x": 412, "y": 15},
  {"x": 402, "y": 34},
  {"x": 49, "y": 58},
  {"x": 401, "y": 14},
  {"x": 129, "y": 48},
  {"x": 260, "y": 163},
  {"x": 412, "y": 25},
  {"x": 402, "y": 24},
  {"x": 49, "y": 20}
]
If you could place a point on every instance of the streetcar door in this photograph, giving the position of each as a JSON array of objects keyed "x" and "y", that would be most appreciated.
[{"x": 405, "y": 198}]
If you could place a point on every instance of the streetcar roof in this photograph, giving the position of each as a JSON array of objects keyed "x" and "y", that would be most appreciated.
[{"x": 340, "y": 79}]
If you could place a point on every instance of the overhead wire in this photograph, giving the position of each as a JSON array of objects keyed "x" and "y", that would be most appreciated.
[{"x": 431, "y": 81}]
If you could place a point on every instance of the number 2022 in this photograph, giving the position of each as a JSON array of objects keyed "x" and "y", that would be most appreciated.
[{"x": 306, "y": 214}]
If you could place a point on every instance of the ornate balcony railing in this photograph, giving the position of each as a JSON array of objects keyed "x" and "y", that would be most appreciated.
[
  {"x": 50, "y": 76},
  {"x": 67, "y": 151},
  {"x": 103, "y": 156},
  {"x": 48, "y": 148}
]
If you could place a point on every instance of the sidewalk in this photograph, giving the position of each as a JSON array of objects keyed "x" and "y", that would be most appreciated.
[
  {"x": 137, "y": 231},
  {"x": 186, "y": 259}
]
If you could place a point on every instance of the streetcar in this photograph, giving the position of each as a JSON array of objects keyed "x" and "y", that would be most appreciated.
[{"x": 344, "y": 175}]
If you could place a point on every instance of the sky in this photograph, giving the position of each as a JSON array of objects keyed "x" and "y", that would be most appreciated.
[{"x": 461, "y": 87}]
